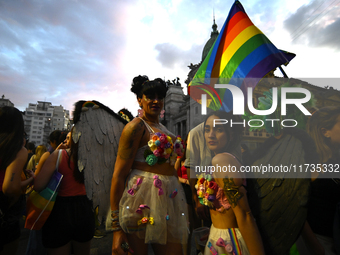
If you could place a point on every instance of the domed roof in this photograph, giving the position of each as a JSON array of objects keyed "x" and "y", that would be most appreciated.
[{"x": 210, "y": 42}]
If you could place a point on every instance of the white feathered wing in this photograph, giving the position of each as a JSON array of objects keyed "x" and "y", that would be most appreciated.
[{"x": 98, "y": 131}]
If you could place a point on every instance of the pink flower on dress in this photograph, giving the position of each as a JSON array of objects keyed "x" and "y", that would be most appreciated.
[{"x": 157, "y": 183}]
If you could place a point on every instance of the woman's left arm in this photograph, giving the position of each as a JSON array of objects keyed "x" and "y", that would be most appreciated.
[
  {"x": 46, "y": 172},
  {"x": 12, "y": 182},
  {"x": 237, "y": 197}
]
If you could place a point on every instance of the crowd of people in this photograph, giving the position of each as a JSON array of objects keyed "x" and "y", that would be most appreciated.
[{"x": 154, "y": 200}]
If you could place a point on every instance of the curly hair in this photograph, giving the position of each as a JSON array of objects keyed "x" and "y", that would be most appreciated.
[
  {"x": 142, "y": 86},
  {"x": 11, "y": 134}
]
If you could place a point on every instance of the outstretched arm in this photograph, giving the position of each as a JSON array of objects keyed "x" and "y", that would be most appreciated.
[
  {"x": 127, "y": 149},
  {"x": 237, "y": 197}
]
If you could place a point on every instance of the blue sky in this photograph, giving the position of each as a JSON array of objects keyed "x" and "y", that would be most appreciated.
[{"x": 68, "y": 50}]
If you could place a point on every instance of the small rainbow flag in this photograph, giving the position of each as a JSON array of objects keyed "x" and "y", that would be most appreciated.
[{"x": 241, "y": 55}]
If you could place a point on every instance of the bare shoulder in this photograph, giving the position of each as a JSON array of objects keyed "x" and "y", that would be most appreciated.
[
  {"x": 134, "y": 127},
  {"x": 225, "y": 159},
  {"x": 130, "y": 139},
  {"x": 44, "y": 156},
  {"x": 22, "y": 154},
  {"x": 55, "y": 153},
  {"x": 49, "y": 157}
]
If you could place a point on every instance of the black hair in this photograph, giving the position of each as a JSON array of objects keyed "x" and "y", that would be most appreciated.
[
  {"x": 30, "y": 146},
  {"x": 62, "y": 137},
  {"x": 142, "y": 86},
  {"x": 54, "y": 136},
  {"x": 58, "y": 136},
  {"x": 234, "y": 132},
  {"x": 11, "y": 134}
]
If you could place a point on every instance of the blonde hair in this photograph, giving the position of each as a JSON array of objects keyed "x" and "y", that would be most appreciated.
[
  {"x": 39, "y": 151},
  {"x": 326, "y": 118}
]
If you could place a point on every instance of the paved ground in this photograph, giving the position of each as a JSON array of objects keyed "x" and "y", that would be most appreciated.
[{"x": 101, "y": 246}]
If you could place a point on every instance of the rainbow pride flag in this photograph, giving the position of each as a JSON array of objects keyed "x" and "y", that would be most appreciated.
[{"x": 241, "y": 55}]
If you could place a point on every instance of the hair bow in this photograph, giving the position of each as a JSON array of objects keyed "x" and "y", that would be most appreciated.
[
  {"x": 173, "y": 194},
  {"x": 228, "y": 248},
  {"x": 142, "y": 207},
  {"x": 135, "y": 186},
  {"x": 158, "y": 184}
]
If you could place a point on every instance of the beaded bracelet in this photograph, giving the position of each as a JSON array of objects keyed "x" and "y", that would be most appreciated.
[
  {"x": 114, "y": 213},
  {"x": 115, "y": 224},
  {"x": 115, "y": 220}
]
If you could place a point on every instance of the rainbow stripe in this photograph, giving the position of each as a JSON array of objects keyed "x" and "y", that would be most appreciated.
[
  {"x": 234, "y": 241},
  {"x": 89, "y": 104},
  {"x": 40, "y": 204},
  {"x": 241, "y": 55}
]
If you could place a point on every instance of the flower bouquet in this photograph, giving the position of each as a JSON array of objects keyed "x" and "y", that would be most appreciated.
[
  {"x": 206, "y": 189},
  {"x": 161, "y": 149}
]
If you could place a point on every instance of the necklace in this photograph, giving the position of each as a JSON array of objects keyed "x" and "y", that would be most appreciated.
[{"x": 153, "y": 124}]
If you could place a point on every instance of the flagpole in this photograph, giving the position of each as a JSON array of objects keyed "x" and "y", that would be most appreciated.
[{"x": 283, "y": 72}]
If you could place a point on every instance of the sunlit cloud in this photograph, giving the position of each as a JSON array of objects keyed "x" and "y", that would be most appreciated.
[{"x": 65, "y": 51}]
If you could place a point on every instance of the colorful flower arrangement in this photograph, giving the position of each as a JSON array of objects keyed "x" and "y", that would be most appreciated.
[
  {"x": 179, "y": 146},
  {"x": 206, "y": 189},
  {"x": 161, "y": 149},
  {"x": 145, "y": 220}
]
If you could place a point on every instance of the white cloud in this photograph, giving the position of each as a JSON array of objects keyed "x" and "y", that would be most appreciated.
[{"x": 65, "y": 51}]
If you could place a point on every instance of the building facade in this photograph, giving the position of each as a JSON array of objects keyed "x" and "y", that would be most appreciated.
[
  {"x": 42, "y": 118},
  {"x": 5, "y": 102}
]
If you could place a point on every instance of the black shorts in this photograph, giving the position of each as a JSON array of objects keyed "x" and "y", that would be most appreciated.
[
  {"x": 72, "y": 218},
  {"x": 10, "y": 219}
]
